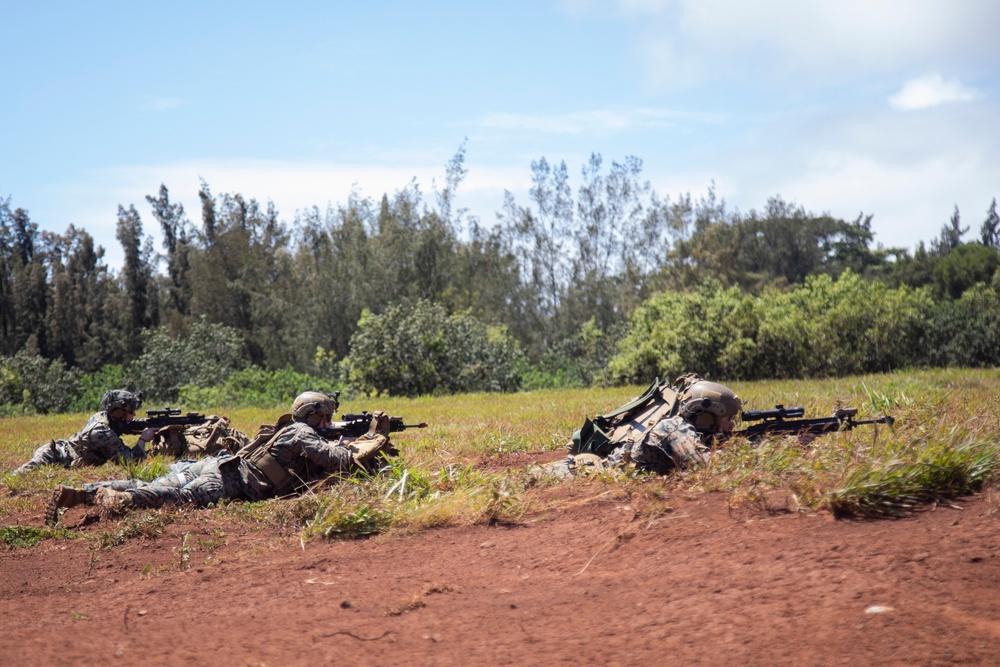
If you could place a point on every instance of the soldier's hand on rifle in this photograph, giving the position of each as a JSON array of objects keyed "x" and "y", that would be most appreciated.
[{"x": 147, "y": 434}]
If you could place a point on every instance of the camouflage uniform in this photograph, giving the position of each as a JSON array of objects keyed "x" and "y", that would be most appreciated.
[
  {"x": 672, "y": 444},
  {"x": 214, "y": 478},
  {"x": 96, "y": 444}
]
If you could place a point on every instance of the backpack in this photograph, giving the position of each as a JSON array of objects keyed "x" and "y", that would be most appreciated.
[
  {"x": 256, "y": 452},
  {"x": 195, "y": 440},
  {"x": 630, "y": 423}
]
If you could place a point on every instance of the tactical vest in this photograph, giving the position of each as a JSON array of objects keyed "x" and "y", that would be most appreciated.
[
  {"x": 257, "y": 452},
  {"x": 630, "y": 423}
]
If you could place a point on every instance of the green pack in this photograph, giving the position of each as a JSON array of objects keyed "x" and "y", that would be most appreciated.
[{"x": 628, "y": 424}]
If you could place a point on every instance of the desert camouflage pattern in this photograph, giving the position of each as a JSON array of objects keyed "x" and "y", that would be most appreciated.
[{"x": 94, "y": 445}]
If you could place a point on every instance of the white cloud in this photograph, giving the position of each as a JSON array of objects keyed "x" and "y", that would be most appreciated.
[
  {"x": 930, "y": 91},
  {"x": 910, "y": 202},
  {"x": 93, "y": 202},
  {"x": 686, "y": 41}
]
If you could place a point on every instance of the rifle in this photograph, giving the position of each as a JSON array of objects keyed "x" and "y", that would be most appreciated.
[
  {"x": 158, "y": 419},
  {"x": 354, "y": 425},
  {"x": 776, "y": 421}
]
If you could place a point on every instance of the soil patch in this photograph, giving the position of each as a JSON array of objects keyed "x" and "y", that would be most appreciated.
[{"x": 587, "y": 582}]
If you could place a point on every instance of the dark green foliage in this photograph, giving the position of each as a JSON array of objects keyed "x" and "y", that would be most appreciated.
[
  {"x": 91, "y": 387},
  {"x": 141, "y": 302},
  {"x": 951, "y": 235},
  {"x": 592, "y": 256},
  {"x": 564, "y": 276},
  {"x": 778, "y": 247},
  {"x": 990, "y": 231},
  {"x": 966, "y": 332},
  {"x": 578, "y": 361},
  {"x": 823, "y": 328},
  {"x": 177, "y": 239},
  {"x": 34, "y": 384},
  {"x": 256, "y": 387},
  {"x": 204, "y": 358},
  {"x": 417, "y": 349},
  {"x": 963, "y": 267}
]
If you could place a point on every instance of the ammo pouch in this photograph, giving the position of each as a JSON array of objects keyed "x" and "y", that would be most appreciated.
[
  {"x": 257, "y": 452},
  {"x": 196, "y": 440},
  {"x": 630, "y": 423}
]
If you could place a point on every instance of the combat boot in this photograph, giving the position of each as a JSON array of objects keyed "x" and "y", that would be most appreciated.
[
  {"x": 64, "y": 497},
  {"x": 113, "y": 503}
]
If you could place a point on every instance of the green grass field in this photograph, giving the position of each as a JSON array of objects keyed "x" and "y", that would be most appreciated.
[{"x": 944, "y": 445}]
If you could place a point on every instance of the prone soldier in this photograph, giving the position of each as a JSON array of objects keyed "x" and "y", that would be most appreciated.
[
  {"x": 100, "y": 439},
  {"x": 280, "y": 460},
  {"x": 667, "y": 428}
]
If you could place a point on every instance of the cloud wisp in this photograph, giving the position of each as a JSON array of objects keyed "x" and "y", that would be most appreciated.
[{"x": 930, "y": 91}]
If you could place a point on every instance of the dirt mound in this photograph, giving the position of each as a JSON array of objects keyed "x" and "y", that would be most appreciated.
[{"x": 585, "y": 583}]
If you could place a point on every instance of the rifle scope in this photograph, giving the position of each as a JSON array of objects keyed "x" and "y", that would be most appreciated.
[{"x": 779, "y": 412}]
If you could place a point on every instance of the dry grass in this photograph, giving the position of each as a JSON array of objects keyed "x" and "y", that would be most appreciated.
[{"x": 945, "y": 444}]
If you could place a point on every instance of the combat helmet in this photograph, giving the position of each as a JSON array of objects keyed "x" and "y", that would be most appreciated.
[
  {"x": 703, "y": 403},
  {"x": 311, "y": 407},
  {"x": 119, "y": 402}
]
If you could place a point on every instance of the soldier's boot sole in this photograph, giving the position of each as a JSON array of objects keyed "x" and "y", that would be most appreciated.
[{"x": 65, "y": 497}]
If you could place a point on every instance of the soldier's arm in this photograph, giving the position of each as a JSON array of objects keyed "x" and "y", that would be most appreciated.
[
  {"x": 326, "y": 454},
  {"x": 107, "y": 444}
]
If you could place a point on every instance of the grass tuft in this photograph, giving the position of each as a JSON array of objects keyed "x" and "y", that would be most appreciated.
[{"x": 23, "y": 537}]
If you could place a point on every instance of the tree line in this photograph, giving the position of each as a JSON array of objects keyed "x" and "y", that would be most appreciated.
[{"x": 543, "y": 295}]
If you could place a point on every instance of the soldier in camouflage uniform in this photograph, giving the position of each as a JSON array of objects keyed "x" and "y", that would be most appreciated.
[
  {"x": 100, "y": 440},
  {"x": 704, "y": 410},
  {"x": 281, "y": 460}
]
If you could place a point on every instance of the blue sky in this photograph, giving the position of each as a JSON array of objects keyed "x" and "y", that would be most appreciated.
[{"x": 884, "y": 106}]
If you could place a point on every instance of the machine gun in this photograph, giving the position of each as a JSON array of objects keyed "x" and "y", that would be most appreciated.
[
  {"x": 158, "y": 419},
  {"x": 777, "y": 420},
  {"x": 355, "y": 425}
]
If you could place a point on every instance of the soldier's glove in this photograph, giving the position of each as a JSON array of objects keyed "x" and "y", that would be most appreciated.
[{"x": 367, "y": 447}]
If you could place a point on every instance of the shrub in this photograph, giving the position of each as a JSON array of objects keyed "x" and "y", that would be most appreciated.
[
  {"x": 256, "y": 387},
  {"x": 204, "y": 358},
  {"x": 825, "y": 327},
  {"x": 34, "y": 384},
  {"x": 414, "y": 349},
  {"x": 92, "y": 386}
]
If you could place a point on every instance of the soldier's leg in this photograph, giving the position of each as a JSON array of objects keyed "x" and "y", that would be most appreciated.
[
  {"x": 64, "y": 497},
  {"x": 199, "y": 483},
  {"x": 48, "y": 454}
]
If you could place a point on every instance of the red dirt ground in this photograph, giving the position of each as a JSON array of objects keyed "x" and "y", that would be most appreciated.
[{"x": 585, "y": 583}]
